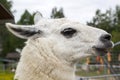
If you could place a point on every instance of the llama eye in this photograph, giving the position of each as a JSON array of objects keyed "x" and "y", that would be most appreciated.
[{"x": 68, "y": 32}]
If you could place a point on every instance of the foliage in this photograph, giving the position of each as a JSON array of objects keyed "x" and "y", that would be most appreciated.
[
  {"x": 109, "y": 21},
  {"x": 7, "y": 4},
  {"x": 11, "y": 42},
  {"x": 6, "y": 76},
  {"x": 116, "y": 38},
  {"x": 7, "y": 40},
  {"x": 26, "y": 18},
  {"x": 57, "y": 13},
  {"x": 102, "y": 20}
]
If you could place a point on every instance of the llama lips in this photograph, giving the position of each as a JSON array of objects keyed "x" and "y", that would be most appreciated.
[{"x": 100, "y": 51}]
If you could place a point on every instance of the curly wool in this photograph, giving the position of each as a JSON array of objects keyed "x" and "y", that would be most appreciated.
[{"x": 41, "y": 64}]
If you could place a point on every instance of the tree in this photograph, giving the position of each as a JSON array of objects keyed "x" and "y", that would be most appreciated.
[
  {"x": 117, "y": 18},
  {"x": 7, "y": 4},
  {"x": 8, "y": 40},
  {"x": 4, "y": 34},
  {"x": 57, "y": 13},
  {"x": 102, "y": 20},
  {"x": 109, "y": 21},
  {"x": 26, "y": 18}
]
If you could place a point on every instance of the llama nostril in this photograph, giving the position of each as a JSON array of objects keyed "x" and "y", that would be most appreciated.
[{"x": 105, "y": 37}]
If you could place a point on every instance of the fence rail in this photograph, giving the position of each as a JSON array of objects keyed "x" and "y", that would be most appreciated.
[
  {"x": 102, "y": 77},
  {"x": 98, "y": 72}
]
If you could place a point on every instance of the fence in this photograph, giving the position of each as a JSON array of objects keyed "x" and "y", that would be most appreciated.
[
  {"x": 100, "y": 68},
  {"x": 98, "y": 72},
  {"x": 102, "y": 77}
]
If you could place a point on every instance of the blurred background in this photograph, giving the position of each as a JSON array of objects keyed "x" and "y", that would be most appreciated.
[{"x": 103, "y": 14}]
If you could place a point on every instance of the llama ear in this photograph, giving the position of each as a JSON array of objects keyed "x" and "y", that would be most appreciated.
[
  {"x": 37, "y": 17},
  {"x": 23, "y": 31}
]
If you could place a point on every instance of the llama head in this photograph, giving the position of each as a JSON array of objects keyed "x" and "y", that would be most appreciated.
[{"x": 70, "y": 40}]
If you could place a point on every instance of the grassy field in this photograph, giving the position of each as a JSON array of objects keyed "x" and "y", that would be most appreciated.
[{"x": 6, "y": 76}]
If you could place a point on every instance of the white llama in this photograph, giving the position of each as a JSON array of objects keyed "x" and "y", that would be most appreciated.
[{"x": 54, "y": 46}]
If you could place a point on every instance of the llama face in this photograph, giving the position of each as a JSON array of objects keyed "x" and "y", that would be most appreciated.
[
  {"x": 70, "y": 40},
  {"x": 74, "y": 41}
]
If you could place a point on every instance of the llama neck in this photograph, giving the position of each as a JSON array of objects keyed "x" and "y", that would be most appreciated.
[
  {"x": 42, "y": 65},
  {"x": 44, "y": 70},
  {"x": 55, "y": 68}
]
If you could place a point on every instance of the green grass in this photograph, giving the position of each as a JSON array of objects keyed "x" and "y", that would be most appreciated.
[
  {"x": 93, "y": 72},
  {"x": 6, "y": 75}
]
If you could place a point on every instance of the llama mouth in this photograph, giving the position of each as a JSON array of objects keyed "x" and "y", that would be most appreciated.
[{"x": 100, "y": 51}]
